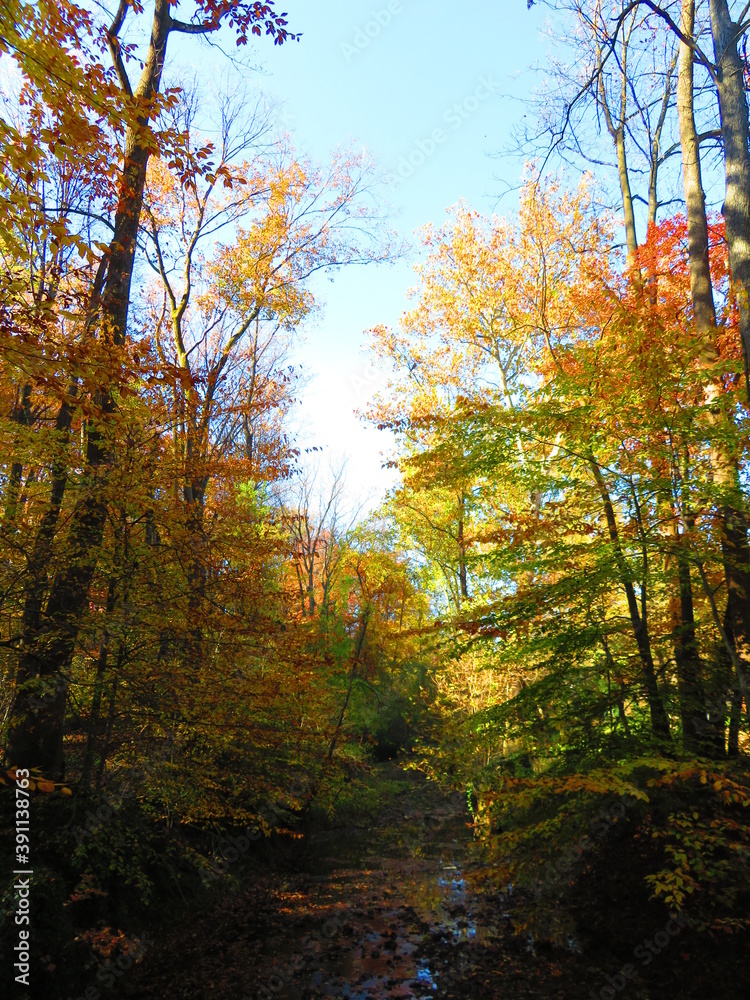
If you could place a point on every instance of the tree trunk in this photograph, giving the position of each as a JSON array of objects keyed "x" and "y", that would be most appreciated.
[
  {"x": 701, "y": 289},
  {"x": 36, "y": 740},
  {"x": 719, "y": 693},
  {"x": 352, "y": 678},
  {"x": 612, "y": 670},
  {"x": 659, "y": 719},
  {"x": 687, "y": 657},
  {"x": 734, "y": 116},
  {"x": 35, "y": 728},
  {"x": 736, "y": 560},
  {"x": 96, "y": 701},
  {"x": 463, "y": 582},
  {"x": 730, "y": 85},
  {"x": 627, "y": 197},
  {"x": 21, "y": 415}
]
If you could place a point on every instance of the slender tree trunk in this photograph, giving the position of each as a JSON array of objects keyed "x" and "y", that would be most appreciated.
[
  {"x": 659, "y": 719},
  {"x": 96, "y": 701},
  {"x": 21, "y": 415},
  {"x": 462, "y": 551},
  {"x": 352, "y": 677},
  {"x": 616, "y": 127},
  {"x": 717, "y": 694},
  {"x": 726, "y": 637},
  {"x": 701, "y": 288},
  {"x": 687, "y": 656},
  {"x": 736, "y": 558},
  {"x": 627, "y": 196},
  {"x": 655, "y": 150},
  {"x": 612, "y": 669}
]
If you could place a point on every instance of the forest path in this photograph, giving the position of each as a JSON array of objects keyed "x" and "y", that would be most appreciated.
[{"x": 395, "y": 909}]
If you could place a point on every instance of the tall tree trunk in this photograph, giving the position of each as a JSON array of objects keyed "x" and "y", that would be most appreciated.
[
  {"x": 730, "y": 84},
  {"x": 736, "y": 559},
  {"x": 627, "y": 197},
  {"x": 48, "y": 647},
  {"x": 701, "y": 288},
  {"x": 719, "y": 691},
  {"x": 734, "y": 115},
  {"x": 613, "y": 671},
  {"x": 655, "y": 154},
  {"x": 352, "y": 678},
  {"x": 616, "y": 125}
]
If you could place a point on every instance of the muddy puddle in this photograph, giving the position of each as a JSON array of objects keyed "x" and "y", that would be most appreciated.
[
  {"x": 401, "y": 926},
  {"x": 395, "y": 908}
]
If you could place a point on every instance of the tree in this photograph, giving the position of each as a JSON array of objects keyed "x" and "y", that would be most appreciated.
[
  {"x": 49, "y": 631},
  {"x": 619, "y": 79},
  {"x": 230, "y": 311},
  {"x": 602, "y": 418}
]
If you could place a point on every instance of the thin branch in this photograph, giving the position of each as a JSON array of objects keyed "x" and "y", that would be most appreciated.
[{"x": 115, "y": 48}]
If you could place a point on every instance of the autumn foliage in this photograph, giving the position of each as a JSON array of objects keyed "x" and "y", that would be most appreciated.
[{"x": 551, "y": 607}]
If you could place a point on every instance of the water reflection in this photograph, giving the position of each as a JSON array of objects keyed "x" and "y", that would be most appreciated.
[{"x": 402, "y": 913}]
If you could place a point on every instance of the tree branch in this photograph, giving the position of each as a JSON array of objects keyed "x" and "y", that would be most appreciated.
[
  {"x": 115, "y": 49},
  {"x": 192, "y": 29}
]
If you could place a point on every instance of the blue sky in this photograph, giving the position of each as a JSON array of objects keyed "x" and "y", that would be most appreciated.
[{"x": 387, "y": 74}]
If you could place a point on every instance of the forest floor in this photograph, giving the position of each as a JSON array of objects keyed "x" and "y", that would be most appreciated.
[{"x": 398, "y": 906}]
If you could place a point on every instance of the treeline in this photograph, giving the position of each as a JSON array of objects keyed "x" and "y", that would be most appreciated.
[
  {"x": 196, "y": 637},
  {"x": 570, "y": 400},
  {"x": 554, "y": 604}
]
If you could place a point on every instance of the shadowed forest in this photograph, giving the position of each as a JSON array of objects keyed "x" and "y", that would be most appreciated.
[{"x": 486, "y": 738}]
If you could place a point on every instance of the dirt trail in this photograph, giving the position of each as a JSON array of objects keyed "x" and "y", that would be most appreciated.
[{"x": 394, "y": 910}]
